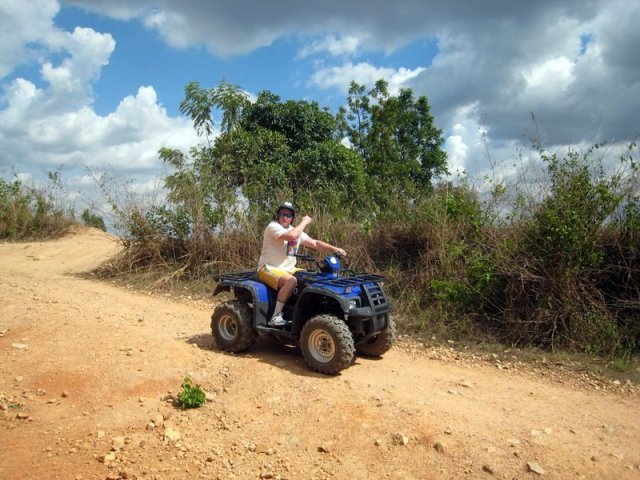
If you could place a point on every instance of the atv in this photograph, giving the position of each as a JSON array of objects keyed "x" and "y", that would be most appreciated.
[{"x": 332, "y": 314}]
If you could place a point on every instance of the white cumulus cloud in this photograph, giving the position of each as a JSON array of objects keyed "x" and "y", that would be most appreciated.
[
  {"x": 51, "y": 123},
  {"x": 340, "y": 76}
]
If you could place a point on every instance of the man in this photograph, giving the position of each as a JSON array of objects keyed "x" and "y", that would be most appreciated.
[{"x": 277, "y": 262}]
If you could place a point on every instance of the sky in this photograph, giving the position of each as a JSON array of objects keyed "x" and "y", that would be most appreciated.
[{"x": 93, "y": 87}]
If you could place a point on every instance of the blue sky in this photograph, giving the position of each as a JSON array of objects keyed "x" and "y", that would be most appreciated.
[{"x": 94, "y": 85}]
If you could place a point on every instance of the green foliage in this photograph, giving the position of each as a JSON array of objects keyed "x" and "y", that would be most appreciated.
[
  {"x": 93, "y": 220},
  {"x": 568, "y": 221},
  {"x": 302, "y": 123},
  {"x": 199, "y": 104},
  {"x": 191, "y": 395},
  {"x": 401, "y": 147},
  {"x": 331, "y": 175},
  {"x": 29, "y": 213}
]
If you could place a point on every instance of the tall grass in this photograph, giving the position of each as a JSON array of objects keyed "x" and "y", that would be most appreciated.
[{"x": 31, "y": 213}]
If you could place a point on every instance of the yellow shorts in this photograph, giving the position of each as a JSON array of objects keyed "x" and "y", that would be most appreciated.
[{"x": 271, "y": 275}]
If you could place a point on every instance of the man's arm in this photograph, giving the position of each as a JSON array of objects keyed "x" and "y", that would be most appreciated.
[
  {"x": 324, "y": 246},
  {"x": 296, "y": 231}
]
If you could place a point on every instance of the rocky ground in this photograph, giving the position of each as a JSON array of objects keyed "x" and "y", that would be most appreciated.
[{"x": 90, "y": 371}]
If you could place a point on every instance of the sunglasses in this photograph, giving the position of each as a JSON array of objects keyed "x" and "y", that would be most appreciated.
[{"x": 286, "y": 215}]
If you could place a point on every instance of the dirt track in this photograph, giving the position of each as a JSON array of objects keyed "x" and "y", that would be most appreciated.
[{"x": 87, "y": 366}]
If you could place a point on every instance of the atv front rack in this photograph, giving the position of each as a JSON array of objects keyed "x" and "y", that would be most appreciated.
[{"x": 350, "y": 280}]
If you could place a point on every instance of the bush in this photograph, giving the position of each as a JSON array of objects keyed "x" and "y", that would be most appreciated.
[
  {"x": 191, "y": 396},
  {"x": 29, "y": 213},
  {"x": 93, "y": 220}
]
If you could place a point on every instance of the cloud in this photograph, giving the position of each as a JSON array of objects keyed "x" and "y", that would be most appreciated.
[
  {"x": 333, "y": 45},
  {"x": 52, "y": 123},
  {"x": 339, "y": 77},
  {"x": 541, "y": 64},
  {"x": 509, "y": 58},
  {"x": 24, "y": 25},
  {"x": 236, "y": 28}
]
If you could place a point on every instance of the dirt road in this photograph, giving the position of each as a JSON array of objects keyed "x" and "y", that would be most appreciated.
[{"x": 88, "y": 369}]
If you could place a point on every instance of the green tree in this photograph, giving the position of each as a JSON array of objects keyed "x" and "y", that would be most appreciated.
[
  {"x": 302, "y": 123},
  {"x": 397, "y": 138},
  {"x": 199, "y": 104}
]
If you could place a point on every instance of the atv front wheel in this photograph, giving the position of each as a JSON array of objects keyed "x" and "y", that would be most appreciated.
[
  {"x": 380, "y": 344},
  {"x": 232, "y": 327},
  {"x": 327, "y": 344}
]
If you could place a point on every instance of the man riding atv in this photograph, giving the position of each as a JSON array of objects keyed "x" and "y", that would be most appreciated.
[
  {"x": 277, "y": 262},
  {"x": 330, "y": 312}
]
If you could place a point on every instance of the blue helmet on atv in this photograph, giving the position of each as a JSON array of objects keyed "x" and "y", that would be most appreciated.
[{"x": 286, "y": 206}]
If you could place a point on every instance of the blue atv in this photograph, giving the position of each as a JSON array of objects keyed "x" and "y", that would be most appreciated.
[{"x": 332, "y": 314}]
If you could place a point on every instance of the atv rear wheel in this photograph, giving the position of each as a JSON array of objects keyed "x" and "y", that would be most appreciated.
[
  {"x": 232, "y": 327},
  {"x": 327, "y": 344},
  {"x": 380, "y": 344}
]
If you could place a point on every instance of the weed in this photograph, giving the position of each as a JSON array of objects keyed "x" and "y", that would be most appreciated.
[{"x": 191, "y": 396}]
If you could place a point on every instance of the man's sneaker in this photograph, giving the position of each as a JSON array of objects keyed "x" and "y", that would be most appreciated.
[{"x": 277, "y": 320}]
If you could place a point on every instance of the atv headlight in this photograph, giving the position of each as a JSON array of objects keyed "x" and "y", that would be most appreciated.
[{"x": 353, "y": 303}]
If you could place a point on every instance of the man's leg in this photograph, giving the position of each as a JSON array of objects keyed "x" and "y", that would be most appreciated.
[{"x": 286, "y": 285}]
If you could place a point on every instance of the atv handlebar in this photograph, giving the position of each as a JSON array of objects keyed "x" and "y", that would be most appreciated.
[{"x": 319, "y": 262}]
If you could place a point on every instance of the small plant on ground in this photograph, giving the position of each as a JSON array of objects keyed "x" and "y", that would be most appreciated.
[{"x": 191, "y": 396}]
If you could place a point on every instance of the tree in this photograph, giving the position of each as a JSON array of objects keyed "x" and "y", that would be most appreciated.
[
  {"x": 402, "y": 148},
  {"x": 272, "y": 150},
  {"x": 302, "y": 123},
  {"x": 199, "y": 104}
]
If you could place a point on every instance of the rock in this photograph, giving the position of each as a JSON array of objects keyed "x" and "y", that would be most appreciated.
[
  {"x": 400, "y": 439},
  {"x": 448, "y": 430},
  {"x": 535, "y": 468},
  {"x": 117, "y": 443},
  {"x": 513, "y": 442},
  {"x": 378, "y": 442},
  {"x": 488, "y": 469},
  {"x": 260, "y": 448},
  {"x": 65, "y": 394},
  {"x": 22, "y": 416},
  {"x": 439, "y": 447},
  {"x": 109, "y": 457},
  {"x": 20, "y": 346},
  {"x": 172, "y": 435},
  {"x": 325, "y": 447}
]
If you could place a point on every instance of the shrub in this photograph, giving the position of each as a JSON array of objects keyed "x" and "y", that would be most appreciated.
[
  {"x": 93, "y": 220},
  {"x": 191, "y": 395},
  {"x": 30, "y": 213}
]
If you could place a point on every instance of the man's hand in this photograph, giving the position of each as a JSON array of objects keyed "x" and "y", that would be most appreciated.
[
  {"x": 340, "y": 251},
  {"x": 306, "y": 220}
]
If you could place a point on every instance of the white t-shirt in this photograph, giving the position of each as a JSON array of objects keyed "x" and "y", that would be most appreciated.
[{"x": 279, "y": 253}]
